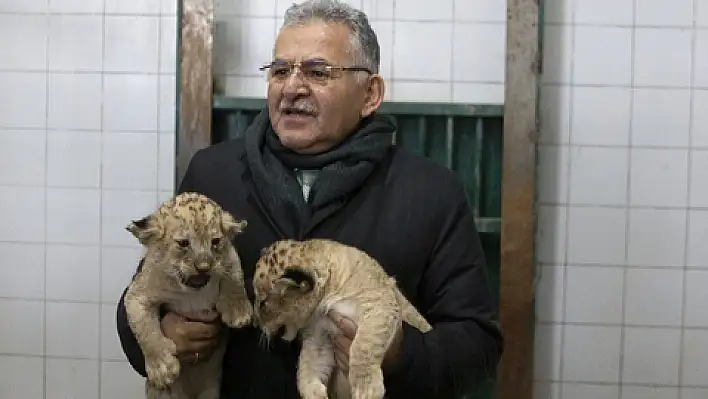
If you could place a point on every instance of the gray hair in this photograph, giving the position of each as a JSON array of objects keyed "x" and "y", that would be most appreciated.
[{"x": 364, "y": 44}]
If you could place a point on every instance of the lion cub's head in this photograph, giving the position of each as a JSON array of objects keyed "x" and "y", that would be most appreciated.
[
  {"x": 190, "y": 236},
  {"x": 288, "y": 284}
]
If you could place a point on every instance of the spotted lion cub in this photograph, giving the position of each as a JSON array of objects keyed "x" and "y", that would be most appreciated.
[
  {"x": 296, "y": 283},
  {"x": 190, "y": 265}
]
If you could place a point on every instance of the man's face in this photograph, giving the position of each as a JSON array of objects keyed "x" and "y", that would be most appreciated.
[{"x": 310, "y": 113}]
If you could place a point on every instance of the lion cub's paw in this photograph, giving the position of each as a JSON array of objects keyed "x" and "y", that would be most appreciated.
[
  {"x": 314, "y": 391},
  {"x": 235, "y": 313},
  {"x": 163, "y": 367}
]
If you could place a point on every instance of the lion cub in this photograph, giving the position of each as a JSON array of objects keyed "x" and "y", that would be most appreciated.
[
  {"x": 297, "y": 282},
  {"x": 190, "y": 265}
]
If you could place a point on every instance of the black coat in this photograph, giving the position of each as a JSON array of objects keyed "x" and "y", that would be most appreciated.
[{"x": 413, "y": 217}]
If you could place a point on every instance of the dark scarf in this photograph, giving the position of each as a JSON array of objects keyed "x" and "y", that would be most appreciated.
[{"x": 343, "y": 169}]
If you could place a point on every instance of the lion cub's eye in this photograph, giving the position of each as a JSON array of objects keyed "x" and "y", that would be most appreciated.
[
  {"x": 183, "y": 243},
  {"x": 215, "y": 242}
]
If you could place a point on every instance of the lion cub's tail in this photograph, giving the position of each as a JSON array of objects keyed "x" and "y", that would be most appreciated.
[{"x": 411, "y": 314}]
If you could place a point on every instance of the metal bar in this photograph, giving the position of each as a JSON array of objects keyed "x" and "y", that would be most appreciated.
[
  {"x": 194, "y": 102},
  {"x": 423, "y": 134},
  {"x": 450, "y": 142},
  {"x": 478, "y": 160},
  {"x": 515, "y": 377}
]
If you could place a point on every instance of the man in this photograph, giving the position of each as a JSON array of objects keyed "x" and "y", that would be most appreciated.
[{"x": 318, "y": 162}]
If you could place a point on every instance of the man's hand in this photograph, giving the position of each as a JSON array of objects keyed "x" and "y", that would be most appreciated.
[
  {"x": 195, "y": 336},
  {"x": 343, "y": 341}
]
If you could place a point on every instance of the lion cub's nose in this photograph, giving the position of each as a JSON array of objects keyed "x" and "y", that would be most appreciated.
[{"x": 203, "y": 267}]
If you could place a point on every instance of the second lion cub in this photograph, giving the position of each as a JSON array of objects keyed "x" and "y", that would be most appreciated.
[{"x": 296, "y": 283}]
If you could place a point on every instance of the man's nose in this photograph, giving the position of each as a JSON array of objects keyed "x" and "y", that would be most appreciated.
[{"x": 295, "y": 84}]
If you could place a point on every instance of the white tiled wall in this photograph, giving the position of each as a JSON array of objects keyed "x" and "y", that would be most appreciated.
[
  {"x": 432, "y": 51},
  {"x": 87, "y": 93},
  {"x": 623, "y": 191},
  {"x": 86, "y": 144}
]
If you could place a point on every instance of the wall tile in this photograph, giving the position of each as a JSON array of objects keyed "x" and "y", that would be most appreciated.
[
  {"x": 27, "y": 6},
  {"x": 133, "y": 7},
  {"x": 694, "y": 393},
  {"x": 23, "y": 99},
  {"x": 245, "y": 86},
  {"x": 594, "y": 294},
  {"x": 549, "y": 294},
  {"x": 696, "y": 313},
  {"x": 480, "y": 10},
  {"x": 28, "y": 270},
  {"x": 245, "y": 8},
  {"x": 659, "y": 177},
  {"x": 699, "y": 190},
  {"x": 130, "y": 102},
  {"x": 478, "y": 93},
  {"x": 22, "y": 214},
  {"x": 591, "y": 167},
  {"x": 699, "y": 128},
  {"x": 554, "y": 116},
  {"x": 30, "y": 53},
  {"x": 601, "y": 115},
  {"x": 119, "y": 381},
  {"x": 22, "y": 157},
  {"x": 589, "y": 391},
  {"x": 76, "y": 340},
  {"x": 110, "y": 342},
  {"x": 559, "y": 11},
  {"x": 700, "y": 67},
  {"x": 378, "y": 9},
  {"x": 615, "y": 65},
  {"x": 22, "y": 328},
  {"x": 695, "y": 358},
  {"x": 553, "y": 167},
  {"x": 410, "y": 41},
  {"x": 423, "y": 10},
  {"x": 596, "y": 236},
  {"x": 644, "y": 307},
  {"x": 659, "y": 12},
  {"x": 169, "y": 7},
  {"x": 168, "y": 44},
  {"x": 117, "y": 268},
  {"x": 411, "y": 91},
  {"x": 697, "y": 238},
  {"x": 596, "y": 12},
  {"x": 591, "y": 353},
  {"x": 384, "y": 35},
  {"x": 548, "y": 352},
  {"x": 76, "y": 42},
  {"x": 168, "y": 103},
  {"x": 551, "y": 234},
  {"x": 661, "y": 118},
  {"x": 75, "y": 379},
  {"x": 129, "y": 161},
  {"x": 72, "y": 101},
  {"x": 658, "y": 366},
  {"x": 74, "y": 159},
  {"x": 557, "y": 54},
  {"x": 657, "y": 237},
  {"x": 132, "y": 44},
  {"x": 166, "y": 162},
  {"x": 76, "y": 6},
  {"x": 641, "y": 392},
  {"x": 118, "y": 208},
  {"x": 662, "y": 57},
  {"x": 73, "y": 216},
  {"x": 73, "y": 273},
  {"x": 469, "y": 41},
  {"x": 21, "y": 377},
  {"x": 701, "y": 13},
  {"x": 243, "y": 44}
]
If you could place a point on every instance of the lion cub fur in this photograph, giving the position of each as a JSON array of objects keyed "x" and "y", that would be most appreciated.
[
  {"x": 296, "y": 283},
  {"x": 190, "y": 266}
]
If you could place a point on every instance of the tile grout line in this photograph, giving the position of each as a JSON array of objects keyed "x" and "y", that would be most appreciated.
[
  {"x": 689, "y": 171},
  {"x": 628, "y": 199},
  {"x": 564, "y": 289},
  {"x": 100, "y": 203},
  {"x": 47, "y": 75}
]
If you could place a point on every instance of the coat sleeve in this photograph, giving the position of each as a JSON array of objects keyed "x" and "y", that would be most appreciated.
[
  {"x": 127, "y": 339},
  {"x": 465, "y": 344}
]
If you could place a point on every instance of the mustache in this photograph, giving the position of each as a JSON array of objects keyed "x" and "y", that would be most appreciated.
[{"x": 300, "y": 106}]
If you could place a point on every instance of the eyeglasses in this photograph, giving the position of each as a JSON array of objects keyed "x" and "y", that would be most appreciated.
[{"x": 316, "y": 71}]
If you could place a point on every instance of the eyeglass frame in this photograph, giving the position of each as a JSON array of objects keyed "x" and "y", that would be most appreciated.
[{"x": 318, "y": 62}]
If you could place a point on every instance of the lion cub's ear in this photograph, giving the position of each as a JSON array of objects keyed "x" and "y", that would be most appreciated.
[
  {"x": 294, "y": 278},
  {"x": 231, "y": 226},
  {"x": 144, "y": 229}
]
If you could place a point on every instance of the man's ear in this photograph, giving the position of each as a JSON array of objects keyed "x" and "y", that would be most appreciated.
[
  {"x": 231, "y": 226},
  {"x": 144, "y": 229},
  {"x": 295, "y": 278}
]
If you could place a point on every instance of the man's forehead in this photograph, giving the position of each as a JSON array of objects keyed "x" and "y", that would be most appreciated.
[{"x": 316, "y": 40}]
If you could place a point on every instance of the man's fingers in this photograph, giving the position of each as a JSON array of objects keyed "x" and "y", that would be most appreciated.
[{"x": 195, "y": 330}]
